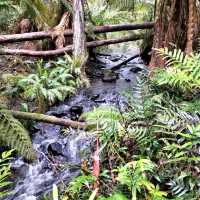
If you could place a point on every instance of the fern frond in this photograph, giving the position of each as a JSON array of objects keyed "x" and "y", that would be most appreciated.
[
  {"x": 13, "y": 134},
  {"x": 122, "y": 4}
]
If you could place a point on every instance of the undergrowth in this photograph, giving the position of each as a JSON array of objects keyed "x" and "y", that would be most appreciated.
[
  {"x": 150, "y": 150},
  {"x": 14, "y": 135}
]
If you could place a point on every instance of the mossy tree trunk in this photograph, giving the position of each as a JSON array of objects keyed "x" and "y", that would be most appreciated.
[
  {"x": 174, "y": 27},
  {"x": 79, "y": 37}
]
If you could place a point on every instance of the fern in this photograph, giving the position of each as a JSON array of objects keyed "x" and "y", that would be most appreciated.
[
  {"x": 102, "y": 13},
  {"x": 50, "y": 84},
  {"x": 80, "y": 183},
  {"x": 122, "y": 4},
  {"x": 182, "y": 72},
  {"x": 15, "y": 136},
  {"x": 5, "y": 173},
  {"x": 181, "y": 185},
  {"x": 45, "y": 15},
  {"x": 134, "y": 176}
]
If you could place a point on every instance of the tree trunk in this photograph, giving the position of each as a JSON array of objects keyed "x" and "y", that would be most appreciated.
[
  {"x": 174, "y": 26},
  {"x": 79, "y": 38},
  {"x": 191, "y": 27}
]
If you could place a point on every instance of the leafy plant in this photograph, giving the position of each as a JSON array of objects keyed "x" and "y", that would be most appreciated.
[
  {"x": 9, "y": 10},
  {"x": 44, "y": 14},
  {"x": 115, "y": 196},
  {"x": 80, "y": 183},
  {"x": 13, "y": 134},
  {"x": 102, "y": 13},
  {"x": 49, "y": 84},
  {"x": 182, "y": 72},
  {"x": 5, "y": 172}
]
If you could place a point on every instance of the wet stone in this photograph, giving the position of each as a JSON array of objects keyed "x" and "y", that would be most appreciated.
[
  {"x": 95, "y": 97},
  {"x": 59, "y": 111},
  {"x": 127, "y": 80},
  {"x": 100, "y": 101},
  {"x": 109, "y": 76},
  {"x": 115, "y": 58},
  {"x": 20, "y": 168},
  {"x": 55, "y": 149},
  {"x": 25, "y": 197},
  {"x": 76, "y": 110},
  {"x": 136, "y": 70}
]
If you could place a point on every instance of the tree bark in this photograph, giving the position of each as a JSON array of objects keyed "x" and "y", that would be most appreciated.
[
  {"x": 174, "y": 27},
  {"x": 67, "y": 49},
  {"x": 48, "y": 34},
  {"x": 191, "y": 26},
  {"x": 47, "y": 119},
  {"x": 79, "y": 38}
]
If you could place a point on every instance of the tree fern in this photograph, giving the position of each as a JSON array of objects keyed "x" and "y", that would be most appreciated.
[{"x": 13, "y": 134}]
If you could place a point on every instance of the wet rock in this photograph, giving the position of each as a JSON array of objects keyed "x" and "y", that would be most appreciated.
[
  {"x": 136, "y": 70},
  {"x": 127, "y": 80},
  {"x": 55, "y": 149},
  {"x": 100, "y": 101},
  {"x": 20, "y": 168},
  {"x": 59, "y": 111},
  {"x": 109, "y": 76},
  {"x": 95, "y": 97},
  {"x": 45, "y": 165},
  {"x": 76, "y": 110},
  {"x": 25, "y": 197},
  {"x": 115, "y": 58}
]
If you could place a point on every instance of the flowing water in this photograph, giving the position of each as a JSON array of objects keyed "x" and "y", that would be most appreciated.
[{"x": 61, "y": 151}]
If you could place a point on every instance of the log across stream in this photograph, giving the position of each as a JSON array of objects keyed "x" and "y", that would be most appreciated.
[{"x": 60, "y": 150}]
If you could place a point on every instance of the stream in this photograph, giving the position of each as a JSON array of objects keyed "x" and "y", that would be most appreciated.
[{"x": 61, "y": 150}]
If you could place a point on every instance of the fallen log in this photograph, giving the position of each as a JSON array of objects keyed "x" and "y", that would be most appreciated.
[
  {"x": 67, "y": 49},
  {"x": 117, "y": 66},
  {"x": 48, "y": 34},
  {"x": 47, "y": 119}
]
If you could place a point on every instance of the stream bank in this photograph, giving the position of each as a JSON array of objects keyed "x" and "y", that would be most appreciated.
[{"x": 61, "y": 151}]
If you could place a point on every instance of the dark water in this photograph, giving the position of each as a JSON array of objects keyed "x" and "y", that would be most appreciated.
[{"x": 60, "y": 151}]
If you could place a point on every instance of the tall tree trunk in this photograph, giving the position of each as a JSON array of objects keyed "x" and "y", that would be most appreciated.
[
  {"x": 174, "y": 26},
  {"x": 79, "y": 38},
  {"x": 191, "y": 27}
]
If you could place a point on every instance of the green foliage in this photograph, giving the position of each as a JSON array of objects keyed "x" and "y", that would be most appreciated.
[
  {"x": 115, "y": 196},
  {"x": 102, "y": 13},
  {"x": 13, "y": 134},
  {"x": 8, "y": 12},
  {"x": 122, "y": 4},
  {"x": 5, "y": 172},
  {"x": 134, "y": 176},
  {"x": 157, "y": 126},
  {"x": 44, "y": 14},
  {"x": 182, "y": 72},
  {"x": 81, "y": 183},
  {"x": 50, "y": 85}
]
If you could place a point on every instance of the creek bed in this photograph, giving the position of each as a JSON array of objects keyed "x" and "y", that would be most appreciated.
[{"x": 61, "y": 151}]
